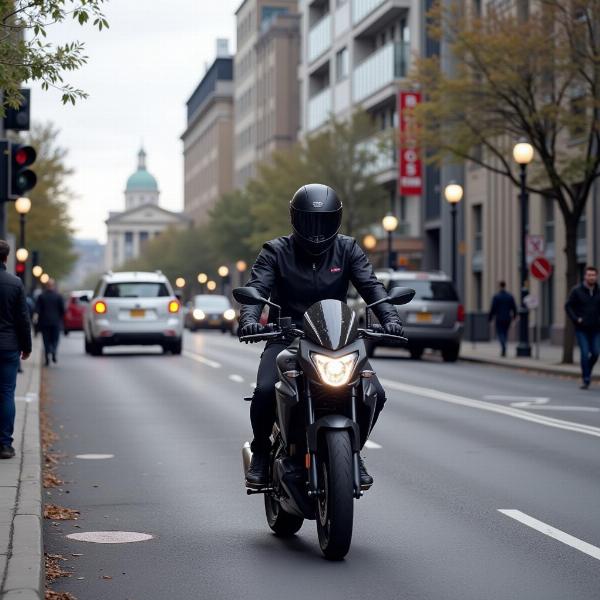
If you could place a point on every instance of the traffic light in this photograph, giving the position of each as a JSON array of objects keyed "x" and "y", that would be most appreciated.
[
  {"x": 20, "y": 269},
  {"x": 17, "y": 119},
  {"x": 22, "y": 178}
]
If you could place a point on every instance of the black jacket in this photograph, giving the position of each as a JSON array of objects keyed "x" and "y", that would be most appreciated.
[
  {"x": 584, "y": 304},
  {"x": 296, "y": 280},
  {"x": 50, "y": 308},
  {"x": 504, "y": 307},
  {"x": 15, "y": 329}
]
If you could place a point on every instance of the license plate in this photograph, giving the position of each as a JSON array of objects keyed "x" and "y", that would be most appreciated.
[
  {"x": 424, "y": 317},
  {"x": 137, "y": 312}
]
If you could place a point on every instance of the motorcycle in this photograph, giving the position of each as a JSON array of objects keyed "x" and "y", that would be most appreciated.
[{"x": 323, "y": 393}]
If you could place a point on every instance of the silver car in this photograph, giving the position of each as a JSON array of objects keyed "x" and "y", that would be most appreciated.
[
  {"x": 133, "y": 308},
  {"x": 435, "y": 317}
]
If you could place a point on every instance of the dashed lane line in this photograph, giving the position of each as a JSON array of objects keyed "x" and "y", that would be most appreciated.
[
  {"x": 201, "y": 359},
  {"x": 489, "y": 407},
  {"x": 552, "y": 532},
  {"x": 372, "y": 445},
  {"x": 236, "y": 378}
]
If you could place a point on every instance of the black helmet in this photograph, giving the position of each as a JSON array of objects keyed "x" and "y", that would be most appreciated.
[{"x": 316, "y": 214}]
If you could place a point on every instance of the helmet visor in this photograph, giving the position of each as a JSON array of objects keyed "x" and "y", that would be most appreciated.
[{"x": 316, "y": 227}]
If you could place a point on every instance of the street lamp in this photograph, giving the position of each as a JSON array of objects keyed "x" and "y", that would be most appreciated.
[
  {"x": 523, "y": 155},
  {"x": 22, "y": 206},
  {"x": 369, "y": 241},
  {"x": 37, "y": 271},
  {"x": 223, "y": 272},
  {"x": 453, "y": 193},
  {"x": 241, "y": 267},
  {"x": 44, "y": 278},
  {"x": 202, "y": 278},
  {"x": 390, "y": 223},
  {"x": 211, "y": 285},
  {"x": 22, "y": 254},
  {"x": 180, "y": 282}
]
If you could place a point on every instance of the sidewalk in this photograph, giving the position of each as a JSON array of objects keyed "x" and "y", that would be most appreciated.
[
  {"x": 549, "y": 361},
  {"x": 21, "y": 547}
]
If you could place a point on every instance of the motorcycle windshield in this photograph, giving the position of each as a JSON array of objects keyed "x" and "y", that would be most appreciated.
[{"x": 331, "y": 324}]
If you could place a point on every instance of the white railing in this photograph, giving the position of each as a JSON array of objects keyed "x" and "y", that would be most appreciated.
[
  {"x": 361, "y": 8},
  {"x": 380, "y": 69},
  {"x": 381, "y": 151},
  {"x": 319, "y": 38},
  {"x": 319, "y": 109}
]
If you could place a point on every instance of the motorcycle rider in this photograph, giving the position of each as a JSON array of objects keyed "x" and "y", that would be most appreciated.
[{"x": 313, "y": 263}]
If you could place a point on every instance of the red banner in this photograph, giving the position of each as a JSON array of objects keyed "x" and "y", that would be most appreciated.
[{"x": 410, "y": 178}]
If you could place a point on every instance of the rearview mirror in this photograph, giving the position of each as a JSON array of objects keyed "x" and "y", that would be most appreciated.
[
  {"x": 401, "y": 295},
  {"x": 248, "y": 295}
]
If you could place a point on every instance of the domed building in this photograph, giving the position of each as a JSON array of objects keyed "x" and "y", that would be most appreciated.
[{"x": 142, "y": 219}]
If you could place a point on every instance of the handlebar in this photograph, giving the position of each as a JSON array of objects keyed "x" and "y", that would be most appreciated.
[{"x": 376, "y": 335}]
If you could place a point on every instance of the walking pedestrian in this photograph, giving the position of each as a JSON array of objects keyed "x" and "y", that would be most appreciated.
[
  {"x": 50, "y": 309},
  {"x": 15, "y": 344},
  {"x": 583, "y": 308},
  {"x": 503, "y": 311}
]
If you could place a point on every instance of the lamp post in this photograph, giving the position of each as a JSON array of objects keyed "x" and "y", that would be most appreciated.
[
  {"x": 453, "y": 193},
  {"x": 22, "y": 206},
  {"x": 523, "y": 155},
  {"x": 202, "y": 279},
  {"x": 390, "y": 222},
  {"x": 369, "y": 241},
  {"x": 223, "y": 272},
  {"x": 241, "y": 267}
]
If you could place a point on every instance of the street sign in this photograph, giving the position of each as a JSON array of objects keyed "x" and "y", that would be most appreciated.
[
  {"x": 541, "y": 268},
  {"x": 535, "y": 246}
]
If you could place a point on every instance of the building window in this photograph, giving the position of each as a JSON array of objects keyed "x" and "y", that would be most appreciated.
[
  {"x": 342, "y": 66},
  {"x": 478, "y": 289},
  {"x": 143, "y": 237},
  {"x": 523, "y": 10},
  {"x": 128, "y": 245},
  {"x": 549, "y": 221},
  {"x": 478, "y": 228}
]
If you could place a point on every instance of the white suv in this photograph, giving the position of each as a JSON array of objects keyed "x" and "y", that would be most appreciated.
[{"x": 133, "y": 308}]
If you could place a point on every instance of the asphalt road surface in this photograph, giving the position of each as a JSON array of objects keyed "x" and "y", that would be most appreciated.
[{"x": 456, "y": 445}]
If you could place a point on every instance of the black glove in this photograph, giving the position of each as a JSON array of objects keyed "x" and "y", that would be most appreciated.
[
  {"x": 393, "y": 328},
  {"x": 250, "y": 329}
]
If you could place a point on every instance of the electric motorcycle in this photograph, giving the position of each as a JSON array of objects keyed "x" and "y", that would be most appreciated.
[{"x": 323, "y": 394}]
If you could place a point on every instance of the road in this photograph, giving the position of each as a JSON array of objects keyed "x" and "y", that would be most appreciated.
[{"x": 450, "y": 451}]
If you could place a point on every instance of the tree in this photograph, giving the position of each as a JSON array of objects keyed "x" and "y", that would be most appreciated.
[
  {"x": 536, "y": 78},
  {"x": 48, "y": 222},
  {"x": 25, "y": 55}
]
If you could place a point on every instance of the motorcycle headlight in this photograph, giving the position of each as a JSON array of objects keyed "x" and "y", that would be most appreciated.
[
  {"x": 335, "y": 371},
  {"x": 198, "y": 314}
]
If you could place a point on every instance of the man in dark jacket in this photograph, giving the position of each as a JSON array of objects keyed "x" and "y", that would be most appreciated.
[
  {"x": 313, "y": 263},
  {"x": 15, "y": 344},
  {"x": 583, "y": 308},
  {"x": 503, "y": 311},
  {"x": 50, "y": 309}
]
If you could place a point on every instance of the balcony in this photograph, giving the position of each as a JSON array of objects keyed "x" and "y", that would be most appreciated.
[
  {"x": 361, "y": 8},
  {"x": 319, "y": 38},
  {"x": 319, "y": 109},
  {"x": 382, "y": 149},
  {"x": 380, "y": 69}
]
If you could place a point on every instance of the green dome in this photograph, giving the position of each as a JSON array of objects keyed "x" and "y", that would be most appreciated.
[{"x": 141, "y": 180}]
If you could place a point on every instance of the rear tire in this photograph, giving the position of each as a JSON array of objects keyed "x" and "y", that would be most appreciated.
[
  {"x": 335, "y": 507},
  {"x": 95, "y": 348},
  {"x": 282, "y": 523},
  {"x": 176, "y": 347},
  {"x": 450, "y": 353},
  {"x": 416, "y": 353}
]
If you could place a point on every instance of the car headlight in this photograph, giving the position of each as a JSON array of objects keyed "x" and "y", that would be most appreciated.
[
  {"x": 198, "y": 314},
  {"x": 335, "y": 371},
  {"x": 229, "y": 314}
]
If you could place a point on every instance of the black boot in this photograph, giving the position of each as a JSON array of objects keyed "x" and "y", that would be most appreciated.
[
  {"x": 258, "y": 471},
  {"x": 46, "y": 361},
  {"x": 366, "y": 481},
  {"x": 6, "y": 451},
  {"x": 54, "y": 357}
]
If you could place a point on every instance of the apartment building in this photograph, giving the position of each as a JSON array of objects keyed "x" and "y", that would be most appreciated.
[
  {"x": 208, "y": 138},
  {"x": 266, "y": 86},
  {"x": 357, "y": 54}
]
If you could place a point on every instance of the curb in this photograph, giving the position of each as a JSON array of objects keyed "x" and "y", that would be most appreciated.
[{"x": 24, "y": 574}]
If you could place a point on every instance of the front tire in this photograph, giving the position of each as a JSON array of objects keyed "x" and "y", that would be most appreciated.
[
  {"x": 282, "y": 523},
  {"x": 450, "y": 353},
  {"x": 335, "y": 507},
  {"x": 95, "y": 348}
]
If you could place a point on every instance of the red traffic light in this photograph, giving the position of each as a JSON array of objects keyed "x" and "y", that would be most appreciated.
[
  {"x": 25, "y": 155},
  {"x": 20, "y": 268}
]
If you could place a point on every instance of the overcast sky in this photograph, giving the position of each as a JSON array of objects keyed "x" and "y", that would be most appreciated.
[{"x": 139, "y": 75}]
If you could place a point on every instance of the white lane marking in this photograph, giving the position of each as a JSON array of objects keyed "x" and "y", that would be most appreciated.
[
  {"x": 253, "y": 385},
  {"x": 516, "y": 398},
  {"x": 372, "y": 445},
  {"x": 552, "y": 532},
  {"x": 495, "y": 408},
  {"x": 539, "y": 403},
  {"x": 94, "y": 456},
  {"x": 110, "y": 537},
  {"x": 236, "y": 378},
  {"x": 201, "y": 359}
]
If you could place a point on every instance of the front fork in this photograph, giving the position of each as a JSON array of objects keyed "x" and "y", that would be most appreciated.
[{"x": 313, "y": 478}]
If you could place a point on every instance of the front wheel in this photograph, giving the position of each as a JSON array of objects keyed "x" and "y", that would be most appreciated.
[
  {"x": 450, "y": 353},
  {"x": 282, "y": 523},
  {"x": 335, "y": 514}
]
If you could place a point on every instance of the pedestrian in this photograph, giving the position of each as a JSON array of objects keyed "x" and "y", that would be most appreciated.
[
  {"x": 503, "y": 311},
  {"x": 50, "y": 309},
  {"x": 583, "y": 308},
  {"x": 15, "y": 344}
]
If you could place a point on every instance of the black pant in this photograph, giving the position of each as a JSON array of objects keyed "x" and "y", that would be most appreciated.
[
  {"x": 50, "y": 335},
  {"x": 262, "y": 409}
]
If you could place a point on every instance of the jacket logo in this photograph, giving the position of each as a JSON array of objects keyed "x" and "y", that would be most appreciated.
[
  {"x": 335, "y": 269},
  {"x": 317, "y": 204}
]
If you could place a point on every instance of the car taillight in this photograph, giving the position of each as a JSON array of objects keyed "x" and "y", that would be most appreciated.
[
  {"x": 460, "y": 314},
  {"x": 174, "y": 306},
  {"x": 100, "y": 307}
]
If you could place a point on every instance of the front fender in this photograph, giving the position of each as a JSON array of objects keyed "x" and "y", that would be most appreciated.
[{"x": 331, "y": 422}]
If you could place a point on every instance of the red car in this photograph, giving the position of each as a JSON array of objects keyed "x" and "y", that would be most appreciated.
[{"x": 76, "y": 307}]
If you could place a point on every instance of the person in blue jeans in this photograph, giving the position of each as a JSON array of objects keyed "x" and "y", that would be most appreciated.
[
  {"x": 503, "y": 311},
  {"x": 15, "y": 344},
  {"x": 583, "y": 308}
]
